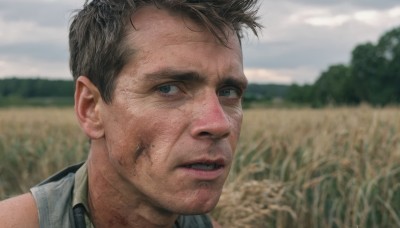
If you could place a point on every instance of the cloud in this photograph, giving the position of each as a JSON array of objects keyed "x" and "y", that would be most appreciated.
[
  {"x": 332, "y": 21},
  {"x": 395, "y": 12},
  {"x": 33, "y": 38},
  {"x": 281, "y": 76},
  {"x": 25, "y": 67},
  {"x": 44, "y": 13},
  {"x": 266, "y": 76},
  {"x": 43, "y": 51},
  {"x": 361, "y": 4},
  {"x": 340, "y": 15},
  {"x": 316, "y": 34},
  {"x": 29, "y": 32}
]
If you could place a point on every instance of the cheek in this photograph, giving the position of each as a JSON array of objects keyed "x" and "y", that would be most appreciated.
[
  {"x": 127, "y": 139},
  {"x": 132, "y": 155},
  {"x": 145, "y": 141},
  {"x": 236, "y": 118}
]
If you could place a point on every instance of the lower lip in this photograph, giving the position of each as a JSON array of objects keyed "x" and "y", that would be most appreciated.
[{"x": 206, "y": 175}]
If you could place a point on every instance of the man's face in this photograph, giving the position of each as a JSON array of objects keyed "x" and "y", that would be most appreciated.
[{"x": 174, "y": 121}]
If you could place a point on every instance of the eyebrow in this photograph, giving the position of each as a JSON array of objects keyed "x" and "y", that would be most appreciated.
[
  {"x": 237, "y": 82},
  {"x": 176, "y": 75},
  {"x": 194, "y": 77}
]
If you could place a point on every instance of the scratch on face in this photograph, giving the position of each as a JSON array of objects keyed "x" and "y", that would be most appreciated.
[{"x": 142, "y": 149}]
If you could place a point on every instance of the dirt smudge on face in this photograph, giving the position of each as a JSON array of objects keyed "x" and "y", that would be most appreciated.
[{"x": 142, "y": 148}]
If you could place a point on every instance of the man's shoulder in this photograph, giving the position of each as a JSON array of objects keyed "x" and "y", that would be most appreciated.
[
  {"x": 19, "y": 211},
  {"x": 54, "y": 198},
  {"x": 62, "y": 174},
  {"x": 49, "y": 195}
]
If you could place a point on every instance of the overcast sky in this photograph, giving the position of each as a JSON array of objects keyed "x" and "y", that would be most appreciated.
[{"x": 301, "y": 38}]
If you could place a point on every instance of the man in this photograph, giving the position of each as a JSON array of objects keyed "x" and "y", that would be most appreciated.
[{"x": 158, "y": 92}]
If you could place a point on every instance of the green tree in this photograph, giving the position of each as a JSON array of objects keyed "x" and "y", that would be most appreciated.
[
  {"x": 300, "y": 94},
  {"x": 388, "y": 51},
  {"x": 366, "y": 72},
  {"x": 332, "y": 86},
  {"x": 375, "y": 70}
]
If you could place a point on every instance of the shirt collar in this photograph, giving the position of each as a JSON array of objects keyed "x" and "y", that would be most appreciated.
[{"x": 80, "y": 192}]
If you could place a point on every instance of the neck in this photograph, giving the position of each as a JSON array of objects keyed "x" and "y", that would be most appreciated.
[{"x": 114, "y": 202}]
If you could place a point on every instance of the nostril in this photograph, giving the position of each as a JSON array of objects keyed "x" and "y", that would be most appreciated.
[{"x": 204, "y": 134}]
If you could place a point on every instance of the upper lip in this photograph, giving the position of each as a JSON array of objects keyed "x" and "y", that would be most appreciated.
[{"x": 217, "y": 161}]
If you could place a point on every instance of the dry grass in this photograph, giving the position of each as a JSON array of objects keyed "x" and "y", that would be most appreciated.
[
  {"x": 293, "y": 168},
  {"x": 35, "y": 143},
  {"x": 332, "y": 168}
]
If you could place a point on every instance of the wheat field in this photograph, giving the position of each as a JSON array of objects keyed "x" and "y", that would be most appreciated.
[{"x": 334, "y": 167}]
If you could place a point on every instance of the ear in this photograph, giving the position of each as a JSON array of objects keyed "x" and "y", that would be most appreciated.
[{"x": 87, "y": 102}]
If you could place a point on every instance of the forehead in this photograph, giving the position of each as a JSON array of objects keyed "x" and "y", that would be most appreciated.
[
  {"x": 164, "y": 41},
  {"x": 160, "y": 27}
]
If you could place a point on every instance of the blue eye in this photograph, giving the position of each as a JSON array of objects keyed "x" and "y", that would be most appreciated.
[
  {"x": 229, "y": 92},
  {"x": 168, "y": 89}
]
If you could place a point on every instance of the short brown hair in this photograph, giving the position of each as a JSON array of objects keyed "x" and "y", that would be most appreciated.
[{"x": 97, "y": 32}]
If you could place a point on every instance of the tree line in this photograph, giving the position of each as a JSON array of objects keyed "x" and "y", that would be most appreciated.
[
  {"x": 36, "y": 92},
  {"x": 31, "y": 88},
  {"x": 372, "y": 76}
]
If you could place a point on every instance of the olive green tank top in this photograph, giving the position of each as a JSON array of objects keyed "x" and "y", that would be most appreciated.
[{"x": 61, "y": 201}]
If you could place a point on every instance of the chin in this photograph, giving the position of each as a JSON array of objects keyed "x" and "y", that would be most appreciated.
[
  {"x": 200, "y": 203},
  {"x": 197, "y": 209}
]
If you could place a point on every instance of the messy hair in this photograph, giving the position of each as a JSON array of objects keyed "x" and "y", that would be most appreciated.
[{"x": 97, "y": 32}]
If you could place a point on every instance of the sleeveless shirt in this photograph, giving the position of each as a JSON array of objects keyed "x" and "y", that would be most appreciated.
[{"x": 57, "y": 196}]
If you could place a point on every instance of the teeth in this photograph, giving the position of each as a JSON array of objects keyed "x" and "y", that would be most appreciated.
[{"x": 203, "y": 166}]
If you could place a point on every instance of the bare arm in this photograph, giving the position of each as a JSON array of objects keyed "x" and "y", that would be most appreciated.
[{"x": 19, "y": 211}]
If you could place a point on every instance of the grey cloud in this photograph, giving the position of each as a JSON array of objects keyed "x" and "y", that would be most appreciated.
[
  {"x": 365, "y": 4},
  {"x": 51, "y": 14},
  {"x": 38, "y": 51},
  {"x": 303, "y": 46},
  {"x": 295, "y": 45},
  {"x": 278, "y": 56}
]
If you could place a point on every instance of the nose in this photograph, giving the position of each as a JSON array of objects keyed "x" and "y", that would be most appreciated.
[{"x": 210, "y": 120}]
